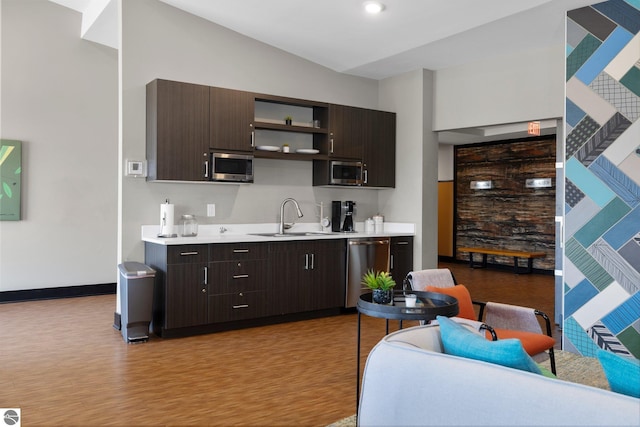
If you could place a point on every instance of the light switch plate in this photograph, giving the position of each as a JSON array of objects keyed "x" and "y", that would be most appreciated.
[
  {"x": 136, "y": 168},
  {"x": 211, "y": 209}
]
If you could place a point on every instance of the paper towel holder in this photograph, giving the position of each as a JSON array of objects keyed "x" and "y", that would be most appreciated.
[{"x": 166, "y": 221}]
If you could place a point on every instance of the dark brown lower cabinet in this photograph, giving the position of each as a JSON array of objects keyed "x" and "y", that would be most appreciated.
[
  {"x": 401, "y": 262},
  {"x": 207, "y": 287},
  {"x": 329, "y": 275},
  {"x": 308, "y": 275},
  {"x": 186, "y": 302},
  {"x": 180, "y": 291},
  {"x": 237, "y": 282},
  {"x": 237, "y": 306}
]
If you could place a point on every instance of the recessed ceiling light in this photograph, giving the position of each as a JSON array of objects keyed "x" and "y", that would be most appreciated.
[{"x": 373, "y": 7}]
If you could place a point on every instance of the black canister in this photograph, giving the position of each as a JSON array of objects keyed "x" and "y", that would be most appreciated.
[{"x": 336, "y": 212}]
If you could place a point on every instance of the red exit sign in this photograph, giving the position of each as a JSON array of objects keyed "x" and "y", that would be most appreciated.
[{"x": 534, "y": 128}]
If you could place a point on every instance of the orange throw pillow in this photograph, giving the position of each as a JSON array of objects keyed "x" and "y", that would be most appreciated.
[
  {"x": 533, "y": 343},
  {"x": 461, "y": 293}
]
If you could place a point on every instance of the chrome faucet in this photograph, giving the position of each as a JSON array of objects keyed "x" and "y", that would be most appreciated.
[{"x": 298, "y": 212}]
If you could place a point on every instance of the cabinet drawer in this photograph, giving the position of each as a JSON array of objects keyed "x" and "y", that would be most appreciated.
[
  {"x": 187, "y": 254},
  {"x": 237, "y": 276},
  {"x": 238, "y": 306},
  {"x": 238, "y": 251}
]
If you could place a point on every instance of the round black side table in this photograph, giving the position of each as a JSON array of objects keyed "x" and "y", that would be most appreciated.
[{"x": 428, "y": 306}]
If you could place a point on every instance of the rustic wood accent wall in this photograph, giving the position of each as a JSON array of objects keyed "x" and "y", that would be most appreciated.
[{"x": 509, "y": 215}]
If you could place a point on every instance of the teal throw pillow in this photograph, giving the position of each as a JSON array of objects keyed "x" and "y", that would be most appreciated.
[
  {"x": 622, "y": 373},
  {"x": 457, "y": 340}
]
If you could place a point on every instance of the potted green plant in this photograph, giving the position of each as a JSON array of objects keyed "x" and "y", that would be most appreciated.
[
  {"x": 381, "y": 283},
  {"x": 288, "y": 120}
]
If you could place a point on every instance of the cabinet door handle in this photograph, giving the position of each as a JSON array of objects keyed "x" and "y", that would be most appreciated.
[
  {"x": 206, "y": 275},
  {"x": 253, "y": 138},
  {"x": 391, "y": 262},
  {"x": 404, "y": 242},
  {"x": 241, "y": 251},
  {"x": 206, "y": 168},
  {"x": 366, "y": 176},
  {"x": 331, "y": 148},
  {"x": 241, "y": 276},
  {"x": 235, "y": 307},
  {"x": 368, "y": 242},
  {"x": 306, "y": 261},
  {"x": 313, "y": 261},
  {"x": 188, "y": 253}
]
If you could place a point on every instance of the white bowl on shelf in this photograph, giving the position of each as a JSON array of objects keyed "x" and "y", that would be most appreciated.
[
  {"x": 307, "y": 151},
  {"x": 267, "y": 148}
]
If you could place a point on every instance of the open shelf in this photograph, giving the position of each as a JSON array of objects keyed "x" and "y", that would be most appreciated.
[
  {"x": 288, "y": 156},
  {"x": 288, "y": 128}
]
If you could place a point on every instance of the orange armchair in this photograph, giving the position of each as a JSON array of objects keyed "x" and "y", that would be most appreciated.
[{"x": 508, "y": 321}]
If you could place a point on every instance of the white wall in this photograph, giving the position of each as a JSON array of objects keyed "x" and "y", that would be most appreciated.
[
  {"x": 514, "y": 88},
  {"x": 525, "y": 86},
  {"x": 415, "y": 197},
  {"x": 160, "y": 41},
  {"x": 59, "y": 96}
]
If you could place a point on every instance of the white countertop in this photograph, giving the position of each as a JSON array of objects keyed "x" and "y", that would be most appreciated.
[{"x": 234, "y": 233}]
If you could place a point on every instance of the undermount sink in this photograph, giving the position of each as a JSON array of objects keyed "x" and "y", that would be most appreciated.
[{"x": 293, "y": 233}]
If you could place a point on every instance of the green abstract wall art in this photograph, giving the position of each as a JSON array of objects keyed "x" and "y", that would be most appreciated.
[{"x": 10, "y": 178}]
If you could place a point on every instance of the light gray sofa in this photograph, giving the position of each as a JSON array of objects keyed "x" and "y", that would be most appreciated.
[{"x": 408, "y": 381}]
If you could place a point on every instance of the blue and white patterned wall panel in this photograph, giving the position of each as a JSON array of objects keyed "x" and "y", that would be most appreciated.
[{"x": 602, "y": 171}]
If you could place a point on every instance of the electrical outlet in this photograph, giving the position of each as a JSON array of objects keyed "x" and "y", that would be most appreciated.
[{"x": 211, "y": 209}]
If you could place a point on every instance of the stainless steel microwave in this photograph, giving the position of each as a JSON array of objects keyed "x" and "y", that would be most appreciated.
[
  {"x": 231, "y": 167},
  {"x": 345, "y": 173}
]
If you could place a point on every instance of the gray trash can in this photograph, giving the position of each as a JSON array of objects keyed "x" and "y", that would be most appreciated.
[{"x": 136, "y": 299}]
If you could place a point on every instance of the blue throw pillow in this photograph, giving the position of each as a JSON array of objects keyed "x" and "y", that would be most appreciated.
[
  {"x": 622, "y": 373},
  {"x": 457, "y": 340}
]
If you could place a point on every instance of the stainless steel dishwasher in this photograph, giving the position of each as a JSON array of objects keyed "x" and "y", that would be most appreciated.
[{"x": 370, "y": 253}]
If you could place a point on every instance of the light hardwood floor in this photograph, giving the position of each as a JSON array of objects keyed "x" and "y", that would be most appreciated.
[{"x": 62, "y": 363}]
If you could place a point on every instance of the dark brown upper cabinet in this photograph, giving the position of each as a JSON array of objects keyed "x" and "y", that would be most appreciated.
[
  {"x": 177, "y": 130},
  {"x": 365, "y": 135},
  {"x": 379, "y": 150},
  {"x": 231, "y": 120},
  {"x": 185, "y": 122},
  {"x": 347, "y": 132}
]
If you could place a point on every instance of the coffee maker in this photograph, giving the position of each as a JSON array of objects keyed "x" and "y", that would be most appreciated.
[{"x": 342, "y": 216}]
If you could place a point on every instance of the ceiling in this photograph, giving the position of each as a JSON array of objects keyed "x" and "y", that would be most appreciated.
[
  {"x": 407, "y": 35},
  {"x": 338, "y": 34}
]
